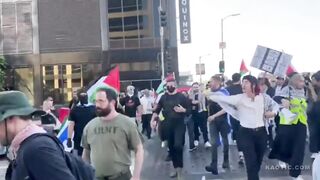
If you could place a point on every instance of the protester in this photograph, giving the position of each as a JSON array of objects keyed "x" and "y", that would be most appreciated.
[
  {"x": 279, "y": 85},
  {"x": 190, "y": 125},
  {"x": 132, "y": 105},
  {"x": 199, "y": 114},
  {"x": 49, "y": 121},
  {"x": 109, "y": 138},
  {"x": 314, "y": 114},
  {"x": 79, "y": 117},
  {"x": 147, "y": 103},
  {"x": 218, "y": 125},
  {"x": 36, "y": 156},
  {"x": 289, "y": 144},
  {"x": 250, "y": 111},
  {"x": 174, "y": 108},
  {"x": 235, "y": 89}
]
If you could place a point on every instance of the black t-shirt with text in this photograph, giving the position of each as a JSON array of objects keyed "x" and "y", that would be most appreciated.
[
  {"x": 131, "y": 104},
  {"x": 81, "y": 115}
]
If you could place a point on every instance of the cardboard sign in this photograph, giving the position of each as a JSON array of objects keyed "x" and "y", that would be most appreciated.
[{"x": 271, "y": 61}]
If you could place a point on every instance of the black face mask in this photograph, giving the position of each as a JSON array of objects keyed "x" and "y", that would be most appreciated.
[
  {"x": 83, "y": 99},
  {"x": 171, "y": 89}
]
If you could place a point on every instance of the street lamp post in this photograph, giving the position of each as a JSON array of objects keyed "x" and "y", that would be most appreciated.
[{"x": 222, "y": 43}]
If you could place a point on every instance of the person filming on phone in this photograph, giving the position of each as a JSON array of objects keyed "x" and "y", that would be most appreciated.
[{"x": 174, "y": 108}]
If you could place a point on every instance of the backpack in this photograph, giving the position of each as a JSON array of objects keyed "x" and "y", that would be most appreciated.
[{"x": 80, "y": 169}]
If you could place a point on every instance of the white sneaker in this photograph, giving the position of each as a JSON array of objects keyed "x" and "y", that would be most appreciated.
[
  {"x": 298, "y": 178},
  {"x": 164, "y": 144},
  {"x": 196, "y": 143},
  {"x": 207, "y": 145},
  {"x": 314, "y": 155},
  {"x": 282, "y": 165}
]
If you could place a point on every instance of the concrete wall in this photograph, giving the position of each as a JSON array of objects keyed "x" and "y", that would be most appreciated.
[{"x": 69, "y": 25}]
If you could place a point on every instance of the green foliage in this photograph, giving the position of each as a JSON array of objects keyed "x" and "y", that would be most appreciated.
[{"x": 2, "y": 73}]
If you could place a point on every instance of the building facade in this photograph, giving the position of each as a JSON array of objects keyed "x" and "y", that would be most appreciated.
[{"x": 54, "y": 48}]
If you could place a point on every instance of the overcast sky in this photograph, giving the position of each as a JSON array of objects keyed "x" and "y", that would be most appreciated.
[{"x": 289, "y": 25}]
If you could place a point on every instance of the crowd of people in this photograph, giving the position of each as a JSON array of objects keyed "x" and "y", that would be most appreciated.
[{"x": 258, "y": 112}]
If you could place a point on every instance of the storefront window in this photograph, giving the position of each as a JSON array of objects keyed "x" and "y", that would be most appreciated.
[{"x": 60, "y": 81}]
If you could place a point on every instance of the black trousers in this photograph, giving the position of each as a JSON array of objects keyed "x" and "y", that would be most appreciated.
[
  {"x": 77, "y": 146},
  {"x": 146, "y": 118},
  {"x": 176, "y": 136},
  {"x": 190, "y": 127},
  {"x": 289, "y": 146},
  {"x": 253, "y": 142},
  {"x": 314, "y": 135},
  {"x": 217, "y": 127},
  {"x": 235, "y": 125},
  {"x": 200, "y": 121},
  {"x": 163, "y": 130}
]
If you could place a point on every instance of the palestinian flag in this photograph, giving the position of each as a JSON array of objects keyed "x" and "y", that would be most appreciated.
[
  {"x": 243, "y": 68},
  {"x": 290, "y": 70},
  {"x": 112, "y": 80}
]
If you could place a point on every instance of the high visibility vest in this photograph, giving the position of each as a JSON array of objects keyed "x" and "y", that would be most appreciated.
[{"x": 298, "y": 107}]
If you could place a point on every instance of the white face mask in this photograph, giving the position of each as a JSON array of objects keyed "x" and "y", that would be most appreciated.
[{"x": 130, "y": 91}]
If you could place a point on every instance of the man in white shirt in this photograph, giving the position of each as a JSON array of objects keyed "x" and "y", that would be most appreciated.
[{"x": 147, "y": 103}]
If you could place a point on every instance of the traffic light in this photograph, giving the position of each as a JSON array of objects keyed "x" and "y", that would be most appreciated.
[
  {"x": 168, "y": 62},
  {"x": 221, "y": 66},
  {"x": 163, "y": 18}
]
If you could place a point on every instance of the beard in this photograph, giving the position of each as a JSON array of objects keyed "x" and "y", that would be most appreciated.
[{"x": 103, "y": 112}]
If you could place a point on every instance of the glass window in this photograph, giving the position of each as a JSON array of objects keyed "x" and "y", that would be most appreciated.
[
  {"x": 129, "y": 5},
  {"x": 137, "y": 66},
  {"x": 60, "y": 81},
  {"x": 9, "y": 27},
  {"x": 114, "y": 6},
  {"x": 130, "y": 23},
  {"x": 116, "y": 24},
  {"x": 24, "y": 21},
  {"x": 16, "y": 27},
  {"x": 141, "y": 5}
]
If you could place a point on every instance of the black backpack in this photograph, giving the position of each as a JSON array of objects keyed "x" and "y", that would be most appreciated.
[{"x": 80, "y": 169}]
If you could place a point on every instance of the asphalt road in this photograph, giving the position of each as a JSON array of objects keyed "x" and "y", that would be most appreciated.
[{"x": 155, "y": 168}]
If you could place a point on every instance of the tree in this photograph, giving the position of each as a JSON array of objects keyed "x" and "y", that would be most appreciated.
[{"x": 2, "y": 73}]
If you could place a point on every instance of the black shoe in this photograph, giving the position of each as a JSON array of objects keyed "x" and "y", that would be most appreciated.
[
  {"x": 168, "y": 158},
  {"x": 214, "y": 171},
  {"x": 226, "y": 165},
  {"x": 191, "y": 149}
]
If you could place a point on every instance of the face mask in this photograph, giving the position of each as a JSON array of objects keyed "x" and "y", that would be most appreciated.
[
  {"x": 171, "y": 89},
  {"x": 130, "y": 93},
  {"x": 196, "y": 91},
  {"x": 83, "y": 99}
]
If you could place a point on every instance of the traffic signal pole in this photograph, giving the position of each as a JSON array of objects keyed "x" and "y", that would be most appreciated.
[{"x": 161, "y": 40}]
